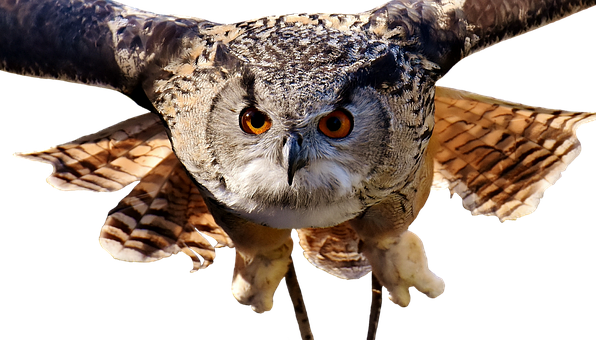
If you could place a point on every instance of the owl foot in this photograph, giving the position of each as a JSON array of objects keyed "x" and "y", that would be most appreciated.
[
  {"x": 256, "y": 277},
  {"x": 400, "y": 263}
]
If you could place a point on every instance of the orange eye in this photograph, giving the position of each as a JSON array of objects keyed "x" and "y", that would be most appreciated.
[
  {"x": 337, "y": 124},
  {"x": 254, "y": 122}
]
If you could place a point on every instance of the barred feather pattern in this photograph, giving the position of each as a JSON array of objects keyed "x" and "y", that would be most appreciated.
[
  {"x": 498, "y": 156},
  {"x": 163, "y": 215},
  {"x": 109, "y": 159}
]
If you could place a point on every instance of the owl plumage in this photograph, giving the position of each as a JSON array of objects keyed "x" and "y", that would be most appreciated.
[{"x": 219, "y": 56}]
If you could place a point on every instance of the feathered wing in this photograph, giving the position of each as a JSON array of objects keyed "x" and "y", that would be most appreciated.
[
  {"x": 446, "y": 31},
  {"x": 94, "y": 42},
  {"x": 498, "y": 156},
  {"x": 109, "y": 159},
  {"x": 163, "y": 215}
]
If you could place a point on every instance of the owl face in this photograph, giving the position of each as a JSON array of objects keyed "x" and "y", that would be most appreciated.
[{"x": 292, "y": 129}]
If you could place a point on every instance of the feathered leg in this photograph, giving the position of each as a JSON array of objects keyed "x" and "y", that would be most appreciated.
[
  {"x": 262, "y": 260},
  {"x": 395, "y": 254}
]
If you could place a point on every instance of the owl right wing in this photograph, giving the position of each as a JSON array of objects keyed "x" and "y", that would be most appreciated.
[
  {"x": 500, "y": 157},
  {"x": 164, "y": 213},
  {"x": 94, "y": 42}
]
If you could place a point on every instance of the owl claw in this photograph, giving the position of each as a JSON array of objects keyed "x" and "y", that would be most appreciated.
[
  {"x": 256, "y": 278},
  {"x": 401, "y": 263},
  {"x": 259, "y": 299},
  {"x": 400, "y": 295}
]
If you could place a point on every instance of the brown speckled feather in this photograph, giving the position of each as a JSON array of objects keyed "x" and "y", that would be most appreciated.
[
  {"x": 110, "y": 159},
  {"x": 335, "y": 250},
  {"x": 163, "y": 214}
]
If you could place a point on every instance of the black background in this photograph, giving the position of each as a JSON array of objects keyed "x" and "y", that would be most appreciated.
[{"x": 524, "y": 275}]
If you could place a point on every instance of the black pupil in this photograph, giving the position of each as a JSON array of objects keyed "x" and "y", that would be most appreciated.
[
  {"x": 333, "y": 124},
  {"x": 257, "y": 119}
]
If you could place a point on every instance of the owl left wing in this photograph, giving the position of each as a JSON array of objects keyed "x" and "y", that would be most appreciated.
[
  {"x": 500, "y": 157},
  {"x": 163, "y": 215}
]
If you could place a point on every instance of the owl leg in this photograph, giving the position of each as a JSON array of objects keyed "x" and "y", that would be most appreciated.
[
  {"x": 262, "y": 260},
  {"x": 399, "y": 263},
  {"x": 395, "y": 254}
]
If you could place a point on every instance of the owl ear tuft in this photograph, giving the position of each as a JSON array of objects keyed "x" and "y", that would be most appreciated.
[
  {"x": 223, "y": 59},
  {"x": 379, "y": 73}
]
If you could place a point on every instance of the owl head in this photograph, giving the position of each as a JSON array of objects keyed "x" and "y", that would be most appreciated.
[{"x": 301, "y": 124}]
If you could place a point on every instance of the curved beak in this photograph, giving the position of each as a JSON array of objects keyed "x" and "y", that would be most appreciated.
[{"x": 296, "y": 160}]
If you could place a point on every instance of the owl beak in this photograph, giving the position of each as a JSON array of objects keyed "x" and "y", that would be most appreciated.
[{"x": 296, "y": 161}]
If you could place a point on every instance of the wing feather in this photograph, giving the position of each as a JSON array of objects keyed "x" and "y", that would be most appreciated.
[
  {"x": 449, "y": 30},
  {"x": 110, "y": 159},
  {"x": 498, "y": 156},
  {"x": 95, "y": 42},
  {"x": 163, "y": 214}
]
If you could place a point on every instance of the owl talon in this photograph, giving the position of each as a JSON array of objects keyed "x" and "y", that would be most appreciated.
[
  {"x": 401, "y": 263},
  {"x": 256, "y": 278},
  {"x": 260, "y": 300},
  {"x": 400, "y": 295}
]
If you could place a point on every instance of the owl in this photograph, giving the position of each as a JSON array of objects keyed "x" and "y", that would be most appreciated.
[{"x": 257, "y": 133}]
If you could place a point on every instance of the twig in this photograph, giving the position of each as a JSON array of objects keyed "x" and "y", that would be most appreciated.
[
  {"x": 376, "y": 302},
  {"x": 300, "y": 312}
]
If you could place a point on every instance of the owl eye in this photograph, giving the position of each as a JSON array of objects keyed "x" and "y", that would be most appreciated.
[
  {"x": 337, "y": 124},
  {"x": 254, "y": 122}
]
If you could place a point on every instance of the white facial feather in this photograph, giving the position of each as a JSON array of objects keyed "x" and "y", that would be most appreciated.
[{"x": 261, "y": 177}]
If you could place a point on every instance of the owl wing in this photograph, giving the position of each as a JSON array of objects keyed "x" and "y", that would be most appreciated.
[
  {"x": 94, "y": 42},
  {"x": 447, "y": 31},
  {"x": 498, "y": 156},
  {"x": 109, "y": 159},
  {"x": 162, "y": 215}
]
